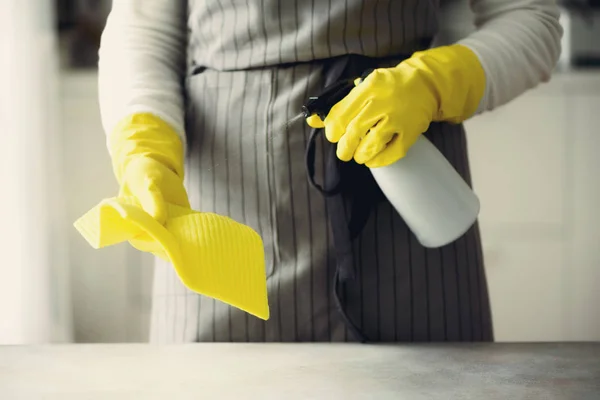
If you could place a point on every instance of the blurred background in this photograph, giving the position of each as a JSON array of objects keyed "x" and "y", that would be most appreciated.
[{"x": 534, "y": 162}]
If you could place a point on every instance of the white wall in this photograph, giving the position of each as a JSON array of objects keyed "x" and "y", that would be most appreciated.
[
  {"x": 534, "y": 165},
  {"x": 110, "y": 287},
  {"x": 34, "y": 281},
  {"x": 535, "y": 168}
]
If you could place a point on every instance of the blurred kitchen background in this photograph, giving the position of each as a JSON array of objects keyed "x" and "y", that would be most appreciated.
[{"x": 535, "y": 164}]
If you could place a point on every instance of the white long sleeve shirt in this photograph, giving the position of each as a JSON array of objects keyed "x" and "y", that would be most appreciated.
[{"x": 143, "y": 54}]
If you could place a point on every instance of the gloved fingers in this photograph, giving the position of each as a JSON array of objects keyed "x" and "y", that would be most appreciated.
[
  {"x": 342, "y": 113},
  {"x": 315, "y": 122},
  {"x": 394, "y": 151},
  {"x": 153, "y": 185},
  {"x": 160, "y": 186},
  {"x": 173, "y": 190},
  {"x": 152, "y": 201},
  {"x": 356, "y": 130},
  {"x": 374, "y": 142},
  {"x": 336, "y": 123}
]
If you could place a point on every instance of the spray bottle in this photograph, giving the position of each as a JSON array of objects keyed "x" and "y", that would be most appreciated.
[{"x": 435, "y": 202}]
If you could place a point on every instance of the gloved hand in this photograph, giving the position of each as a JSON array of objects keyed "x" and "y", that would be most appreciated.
[
  {"x": 147, "y": 159},
  {"x": 383, "y": 116},
  {"x": 213, "y": 255}
]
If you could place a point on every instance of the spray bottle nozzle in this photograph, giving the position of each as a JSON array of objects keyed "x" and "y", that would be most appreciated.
[
  {"x": 331, "y": 95},
  {"x": 321, "y": 104}
]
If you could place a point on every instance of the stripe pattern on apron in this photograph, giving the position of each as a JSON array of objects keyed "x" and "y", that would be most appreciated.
[{"x": 243, "y": 162}]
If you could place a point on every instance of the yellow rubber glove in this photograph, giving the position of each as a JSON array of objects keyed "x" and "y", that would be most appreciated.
[
  {"x": 384, "y": 115},
  {"x": 147, "y": 159},
  {"x": 213, "y": 255}
]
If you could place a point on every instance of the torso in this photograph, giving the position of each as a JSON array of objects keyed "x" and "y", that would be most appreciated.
[
  {"x": 241, "y": 34},
  {"x": 244, "y": 164}
]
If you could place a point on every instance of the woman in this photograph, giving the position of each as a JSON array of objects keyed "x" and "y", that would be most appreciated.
[{"x": 248, "y": 66}]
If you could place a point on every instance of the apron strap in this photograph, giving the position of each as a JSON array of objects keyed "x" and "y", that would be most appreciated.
[
  {"x": 335, "y": 188},
  {"x": 345, "y": 181}
]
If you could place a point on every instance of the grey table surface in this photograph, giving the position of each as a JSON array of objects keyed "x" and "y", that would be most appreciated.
[{"x": 301, "y": 371}]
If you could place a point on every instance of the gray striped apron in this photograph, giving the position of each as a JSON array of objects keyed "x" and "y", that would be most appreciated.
[{"x": 252, "y": 65}]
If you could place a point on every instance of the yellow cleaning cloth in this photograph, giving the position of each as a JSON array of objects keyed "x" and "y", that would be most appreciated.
[{"x": 213, "y": 255}]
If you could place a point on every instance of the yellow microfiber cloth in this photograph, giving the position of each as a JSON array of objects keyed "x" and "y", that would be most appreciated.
[{"x": 213, "y": 255}]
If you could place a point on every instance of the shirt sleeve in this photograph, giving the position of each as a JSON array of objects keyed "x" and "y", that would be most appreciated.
[
  {"x": 142, "y": 60},
  {"x": 518, "y": 44}
]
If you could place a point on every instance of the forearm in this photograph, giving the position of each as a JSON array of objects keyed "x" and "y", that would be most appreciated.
[
  {"x": 518, "y": 45},
  {"x": 142, "y": 62}
]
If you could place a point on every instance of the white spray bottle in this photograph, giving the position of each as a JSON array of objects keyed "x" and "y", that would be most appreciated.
[{"x": 433, "y": 199}]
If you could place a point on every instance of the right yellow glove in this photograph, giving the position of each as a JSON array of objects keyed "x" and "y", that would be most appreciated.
[
  {"x": 213, "y": 255},
  {"x": 384, "y": 115}
]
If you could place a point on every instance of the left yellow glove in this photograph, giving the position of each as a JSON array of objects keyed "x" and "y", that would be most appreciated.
[
  {"x": 147, "y": 159},
  {"x": 213, "y": 255},
  {"x": 383, "y": 115}
]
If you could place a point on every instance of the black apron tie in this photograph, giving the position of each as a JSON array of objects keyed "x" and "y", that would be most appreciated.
[{"x": 344, "y": 181}]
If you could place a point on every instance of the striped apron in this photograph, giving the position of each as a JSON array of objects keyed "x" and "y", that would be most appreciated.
[{"x": 252, "y": 65}]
